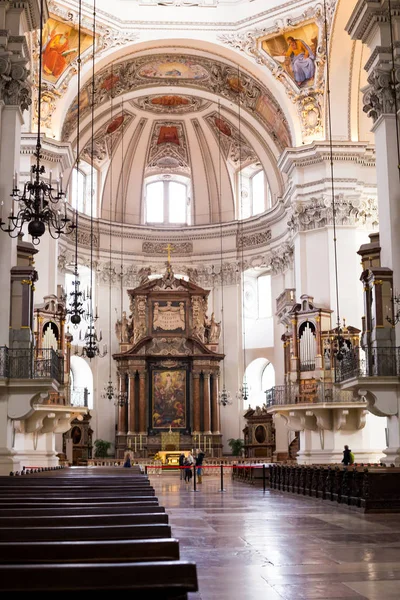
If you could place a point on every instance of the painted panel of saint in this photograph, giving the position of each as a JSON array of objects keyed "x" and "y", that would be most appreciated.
[
  {"x": 296, "y": 52},
  {"x": 60, "y": 48},
  {"x": 169, "y": 399}
]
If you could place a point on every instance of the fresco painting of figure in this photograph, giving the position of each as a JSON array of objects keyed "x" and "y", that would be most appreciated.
[
  {"x": 296, "y": 52},
  {"x": 60, "y": 48}
]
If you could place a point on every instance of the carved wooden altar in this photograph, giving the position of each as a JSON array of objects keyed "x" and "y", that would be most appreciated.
[
  {"x": 168, "y": 367},
  {"x": 259, "y": 434}
]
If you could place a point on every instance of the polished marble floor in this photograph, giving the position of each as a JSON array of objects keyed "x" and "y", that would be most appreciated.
[{"x": 276, "y": 546}]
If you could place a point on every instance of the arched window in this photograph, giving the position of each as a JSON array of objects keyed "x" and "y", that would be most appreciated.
[
  {"x": 81, "y": 383},
  {"x": 264, "y": 296},
  {"x": 167, "y": 201},
  {"x": 260, "y": 376},
  {"x": 256, "y": 195},
  {"x": 80, "y": 192}
]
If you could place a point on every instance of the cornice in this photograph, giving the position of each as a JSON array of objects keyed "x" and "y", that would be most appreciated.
[
  {"x": 275, "y": 12},
  {"x": 319, "y": 152}
]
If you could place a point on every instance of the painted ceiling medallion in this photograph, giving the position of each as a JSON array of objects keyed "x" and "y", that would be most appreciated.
[
  {"x": 171, "y": 103},
  {"x": 171, "y": 69}
]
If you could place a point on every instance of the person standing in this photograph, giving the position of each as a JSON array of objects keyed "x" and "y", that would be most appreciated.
[
  {"x": 181, "y": 463},
  {"x": 189, "y": 462},
  {"x": 199, "y": 465},
  {"x": 346, "y": 460}
]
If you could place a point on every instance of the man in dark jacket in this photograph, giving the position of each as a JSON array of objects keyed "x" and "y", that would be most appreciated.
[
  {"x": 181, "y": 463},
  {"x": 346, "y": 460},
  {"x": 199, "y": 463}
]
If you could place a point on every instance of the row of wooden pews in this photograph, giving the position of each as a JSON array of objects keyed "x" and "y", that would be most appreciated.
[{"x": 89, "y": 529}]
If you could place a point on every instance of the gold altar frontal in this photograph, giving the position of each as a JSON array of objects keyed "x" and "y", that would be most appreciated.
[{"x": 171, "y": 457}]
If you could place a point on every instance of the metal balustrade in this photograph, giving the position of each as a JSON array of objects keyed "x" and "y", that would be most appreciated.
[
  {"x": 374, "y": 362},
  {"x": 317, "y": 392},
  {"x": 31, "y": 363}
]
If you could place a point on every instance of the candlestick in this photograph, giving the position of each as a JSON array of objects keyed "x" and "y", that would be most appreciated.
[
  {"x": 140, "y": 441},
  {"x": 135, "y": 443},
  {"x": 129, "y": 443}
]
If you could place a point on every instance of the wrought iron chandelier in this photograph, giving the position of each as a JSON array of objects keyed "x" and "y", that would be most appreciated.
[
  {"x": 92, "y": 341},
  {"x": 243, "y": 391},
  {"x": 75, "y": 310},
  {"x": 39, "y": 202},
  {"x": 224, "y": 396}
]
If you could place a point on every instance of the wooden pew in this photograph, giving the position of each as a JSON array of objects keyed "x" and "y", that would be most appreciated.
[
  {"x": 83, "y": 520},
  {"x": 95, "y": 532},
  {"x": 93, "y": 509},
  {"x": 25, "y": 499},
  {"x": 89, "y": 551},
  {"x": 162, "y": 580}
]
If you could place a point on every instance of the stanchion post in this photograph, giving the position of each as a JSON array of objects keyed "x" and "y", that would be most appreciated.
[
  {"x": 222, "y": 477},
  {"x": 264, "y": 477},
  {"x": 194, "y": 478}
]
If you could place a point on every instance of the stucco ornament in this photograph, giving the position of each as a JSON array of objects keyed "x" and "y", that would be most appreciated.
[
  {"x": 379, "y": 97},
  {"x": 308, "y": 100},
  {"x": 14, "y": 87}
]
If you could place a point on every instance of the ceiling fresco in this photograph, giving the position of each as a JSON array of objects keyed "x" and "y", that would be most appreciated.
[
  {"x": 174, "y": 70},
  {"x": 170, "y": 103}
]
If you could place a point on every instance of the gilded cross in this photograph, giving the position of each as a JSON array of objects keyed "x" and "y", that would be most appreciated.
[{"x": 169, "y": 248}]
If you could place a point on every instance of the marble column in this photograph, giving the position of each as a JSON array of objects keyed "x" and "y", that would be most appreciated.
[
  {"x": 196, "y": 402},
  {"x": 142, "y": 402},
  {"x": 206, "y": 403},
  {"x": 132, "y": 404},
  {"x": 122, "y": 409},
  {"x": 215, "y": 426}
]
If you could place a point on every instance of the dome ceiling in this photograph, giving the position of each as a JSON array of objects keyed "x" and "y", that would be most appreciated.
[{"x": 177, "y": 114}]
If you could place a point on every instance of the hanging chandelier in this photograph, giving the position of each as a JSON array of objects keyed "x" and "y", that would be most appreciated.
[
  {"x": 109, "y": 390},
  {"x": 92, "y": 342},
  {"x": 39, "y": 201},
  {"x": 91, "y": 349},
  {"x": 224, "y": 396}
]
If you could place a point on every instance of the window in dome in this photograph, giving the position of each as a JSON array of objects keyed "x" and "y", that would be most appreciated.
[
  {"x": 167, "y": 202},
  {"x": 79, "y": 191},
  {"x": 256, "y": 195}
]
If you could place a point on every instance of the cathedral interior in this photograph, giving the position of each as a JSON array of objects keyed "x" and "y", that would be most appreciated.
[{"x": 200, "y": 204}]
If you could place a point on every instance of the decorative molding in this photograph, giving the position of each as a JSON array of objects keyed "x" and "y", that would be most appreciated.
[
  {"x": 307, "y": 100},
  {"x": 234, "y": 145},
  {"x": 215, "y": 76},
  {"x": 15, "y": 90},
  {"x": 169, "y": 153},
  {"x": 255, "y": 239},
  {"x": 170, "y": 103},
  {"x": 84, "y": 237},
  {"x": 169, "y": 347},
  {"x": 281, "y": 260},
  {"x": 379, "y": 98},
  {"x": 107, "y": 137},
  {"x": 158, "y": 248},
  {"x": 318, "y": 213}
]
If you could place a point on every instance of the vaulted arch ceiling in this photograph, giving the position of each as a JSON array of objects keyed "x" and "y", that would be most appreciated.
[{"x": 193, "y": 99}]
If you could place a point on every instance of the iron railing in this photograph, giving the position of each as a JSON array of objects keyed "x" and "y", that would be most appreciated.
[
  {"x": 316, "y": 392},
  {"x": 79, "y": 396},
  {"x": 31, "y": 363},
  {"x": 375, "y": 362}
]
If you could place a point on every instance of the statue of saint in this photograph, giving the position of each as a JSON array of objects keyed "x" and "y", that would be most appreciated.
[
  {"x": 123, "y": 329},
  {"x": 213, "y": 329}
]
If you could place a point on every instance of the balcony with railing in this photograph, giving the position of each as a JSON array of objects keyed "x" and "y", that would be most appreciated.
[
  {"x": 309, "y": 392},
  {"x": 31, "y": 363},
  {"x": 374, "y": 362}
]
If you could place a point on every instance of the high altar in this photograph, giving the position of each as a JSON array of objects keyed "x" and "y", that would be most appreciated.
[{"x": 168, "y": 368}]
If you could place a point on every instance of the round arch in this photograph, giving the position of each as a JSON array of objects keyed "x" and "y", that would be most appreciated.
[
  {"x": 81, "y": 378},
  {"x": 260, "y": 376}
]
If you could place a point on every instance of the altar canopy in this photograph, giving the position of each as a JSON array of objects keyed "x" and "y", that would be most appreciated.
[{"x": 168, "y": 367}]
